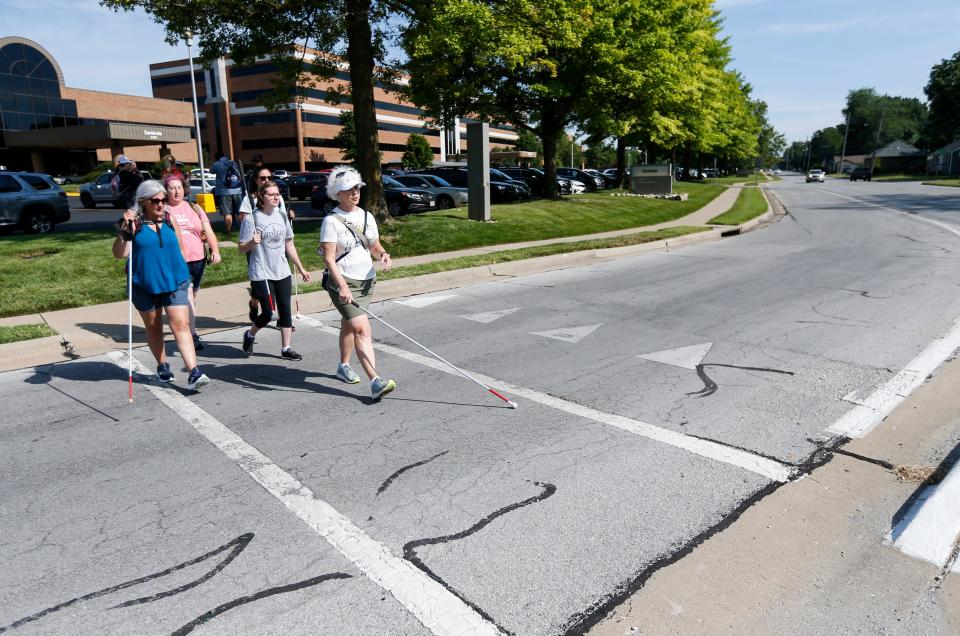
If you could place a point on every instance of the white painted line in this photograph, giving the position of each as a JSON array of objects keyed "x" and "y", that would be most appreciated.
[
  {"x": 768, "y": 468},
  {"x": 913, "y": 216},
  {"x": 865, "y": 416},
  {"x": 931, "y": 528},
  {"x": 433, "y": 605}
]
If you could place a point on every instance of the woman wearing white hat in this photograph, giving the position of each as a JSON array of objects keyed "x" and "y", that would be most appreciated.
[{"x": 350, "y": 241}]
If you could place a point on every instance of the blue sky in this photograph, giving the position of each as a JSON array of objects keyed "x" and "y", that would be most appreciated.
[{"x": 800, "y": 56}]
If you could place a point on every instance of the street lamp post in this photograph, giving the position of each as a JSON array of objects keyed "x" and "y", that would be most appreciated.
[{"x": 196, "y": 115}]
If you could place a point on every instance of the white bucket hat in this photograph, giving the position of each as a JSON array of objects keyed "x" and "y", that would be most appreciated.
[{"x": 342, "y": 178}]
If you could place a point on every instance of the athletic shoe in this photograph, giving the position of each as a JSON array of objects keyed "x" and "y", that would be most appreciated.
[
  {"x": 197, "y": 380},
  {"x": 380, "y": 387},
  {"x": 164, "y": 374},
  {"x": 290, "y": 354},
  {"x": 248, "y": 341},
  {"x": 197, "y": 343},
  {"x": 345, "y": 373}
]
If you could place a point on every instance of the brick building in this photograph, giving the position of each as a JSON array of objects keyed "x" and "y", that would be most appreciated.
[
  {"x": 50, "y": 127},
  {"x": 233, "y": 121}
]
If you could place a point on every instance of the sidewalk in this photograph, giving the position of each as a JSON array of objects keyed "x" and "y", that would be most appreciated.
[{"x": 97, "y": 329}]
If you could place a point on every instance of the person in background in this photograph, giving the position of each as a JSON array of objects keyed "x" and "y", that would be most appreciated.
[
  {"x": 350, "y": 241},
  {"x": 267, "y": 236},
  {"x": 255, "y": 164},
  {"x": 172, "y": 167},
  {"x": 195, "y": 229},
  {"x": 161, "y": 281},
  {"x": 128, "y": 180},
  {"x": 227, "y": 190}
]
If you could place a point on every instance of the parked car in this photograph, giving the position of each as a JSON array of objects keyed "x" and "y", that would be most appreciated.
[
  {"x": 577, "y": 187},
  {"x": 496, "y": 175},
  {"x": 99, "y": 190},
  {"x": 596, "y": 174},
  {"x": 611, "y": 176},
  {"x": 197, "y": 187},
  {"x": 301, "y": 185},
  {"x": 593, "y": 183},
  {"x": 401, "y": 199},
  {"x": 447, "y": 196},
  {"x": 280, "y": 174},
  {"x": 32, "y": 201},
  {"x": 815, "y": 175},
  {"x": 209, "y": 176},
  {"x": 861, "y": 173},
  {"x": 536, "y": 180},
  {"x": 709, "y": 173},
  {"x": 393, "y": 172},
  {"x": 500, "y": 191}
]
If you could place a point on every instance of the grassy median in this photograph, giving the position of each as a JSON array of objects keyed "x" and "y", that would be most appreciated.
[
  {"x": 749, "y": 205},
  {"x": 75, "y": 269}
]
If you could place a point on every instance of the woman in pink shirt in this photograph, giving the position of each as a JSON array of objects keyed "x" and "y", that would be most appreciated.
[{"x": 194, "y": 229}]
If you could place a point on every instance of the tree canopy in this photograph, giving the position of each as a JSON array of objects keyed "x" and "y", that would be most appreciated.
[{"x": 943, "y": 93}]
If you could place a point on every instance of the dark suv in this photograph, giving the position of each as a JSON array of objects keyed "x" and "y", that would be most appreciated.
[
  {"x": 31, "y": 201},
  {"x": 861, "y": 173},
  {"x": 500, "y": 191}
]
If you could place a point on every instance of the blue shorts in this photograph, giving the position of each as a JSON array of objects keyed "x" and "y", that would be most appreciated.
[
  {"x": 145, "y": 301},
  {"x": 196, "y": 269}
]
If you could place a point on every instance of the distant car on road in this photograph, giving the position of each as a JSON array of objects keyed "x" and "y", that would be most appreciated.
[
  {"x": 815, "y": 175},
  {"x": 302, "y": 184},
  {"x": 861, "y": 173},
  {"x": 31, "y": 201}
]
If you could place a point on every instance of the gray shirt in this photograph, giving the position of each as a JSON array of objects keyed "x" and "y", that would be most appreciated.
[{"x": 268, "y": 260}]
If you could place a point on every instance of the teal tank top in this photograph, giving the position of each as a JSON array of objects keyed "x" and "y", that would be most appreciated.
[{"x": 158, "y": 265}]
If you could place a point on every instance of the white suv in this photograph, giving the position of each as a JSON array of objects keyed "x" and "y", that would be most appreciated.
[{"x": 815, "y": 175}]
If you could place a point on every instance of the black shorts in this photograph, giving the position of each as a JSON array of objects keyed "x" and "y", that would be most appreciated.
[{"x": 196, "y": 269}]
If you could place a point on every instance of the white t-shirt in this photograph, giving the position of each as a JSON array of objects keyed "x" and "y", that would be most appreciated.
[
  {"x": 268, "y": 260},
  {"x": 357, "y": 264}
]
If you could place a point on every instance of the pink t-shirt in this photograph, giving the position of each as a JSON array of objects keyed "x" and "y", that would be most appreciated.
[{"x": 191, "y": 228}]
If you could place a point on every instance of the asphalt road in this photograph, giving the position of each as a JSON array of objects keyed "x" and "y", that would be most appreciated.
[{"x": 658, "y": 397}]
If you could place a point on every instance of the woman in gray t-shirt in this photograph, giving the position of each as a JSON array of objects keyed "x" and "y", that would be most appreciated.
[{"x": 268, "y": 237}]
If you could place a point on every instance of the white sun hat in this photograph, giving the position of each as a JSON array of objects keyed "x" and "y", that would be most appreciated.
[{"x": 342, "y": 178}]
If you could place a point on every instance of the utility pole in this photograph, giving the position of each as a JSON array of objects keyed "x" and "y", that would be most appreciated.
[{"x": 846, "y": 131}]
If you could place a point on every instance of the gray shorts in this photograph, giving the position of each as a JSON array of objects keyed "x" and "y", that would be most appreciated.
[
  {"x": 362, "y": 291},
  {"x": 145, "y": 301},
  {"x": 229, "y": 204}
]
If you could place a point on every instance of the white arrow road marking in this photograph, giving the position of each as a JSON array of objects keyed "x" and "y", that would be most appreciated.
[
  {"x": 490, "y": 316},
  {"x": 569, "y": 334},
  {"x": 418, "y": 302},
  {"x": 433, "y": 605},
  {"x": 684, "y": 357},
  {"x": 769, "y": 468}
]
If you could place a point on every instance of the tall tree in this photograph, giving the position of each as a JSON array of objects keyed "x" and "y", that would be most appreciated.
[
  {"x": 824, "y": 144},
  {"x": 876, "y": 120},
  {"x": 943, "y": 95},
  {"x": 352, "y": 29},
  {"x": 535, "y": 65}
]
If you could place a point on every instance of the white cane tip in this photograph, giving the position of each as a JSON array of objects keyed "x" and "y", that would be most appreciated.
[
  {"x": 513, "y": 405},
  {"x": 130, "y": 401},
  {"x": 298, "y": 317}
]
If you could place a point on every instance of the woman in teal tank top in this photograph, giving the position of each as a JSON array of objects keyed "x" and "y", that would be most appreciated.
[{"x": 161, "y": 280}]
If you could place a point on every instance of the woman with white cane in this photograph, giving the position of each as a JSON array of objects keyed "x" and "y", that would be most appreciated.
[
  {"x": 267, "y": 236},
  {"x": 158, "y": 279},
  {"x": 350, "y": 241}
]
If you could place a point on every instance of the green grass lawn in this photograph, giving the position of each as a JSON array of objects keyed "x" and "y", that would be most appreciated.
[
  {"x": 17, "y": 333},
  {"x": 749, "y": 204},
  {"x": 75, "y": 269}
]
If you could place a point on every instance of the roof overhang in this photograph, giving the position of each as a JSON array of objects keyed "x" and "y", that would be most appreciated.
[{"x": 100, "y": 135}]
